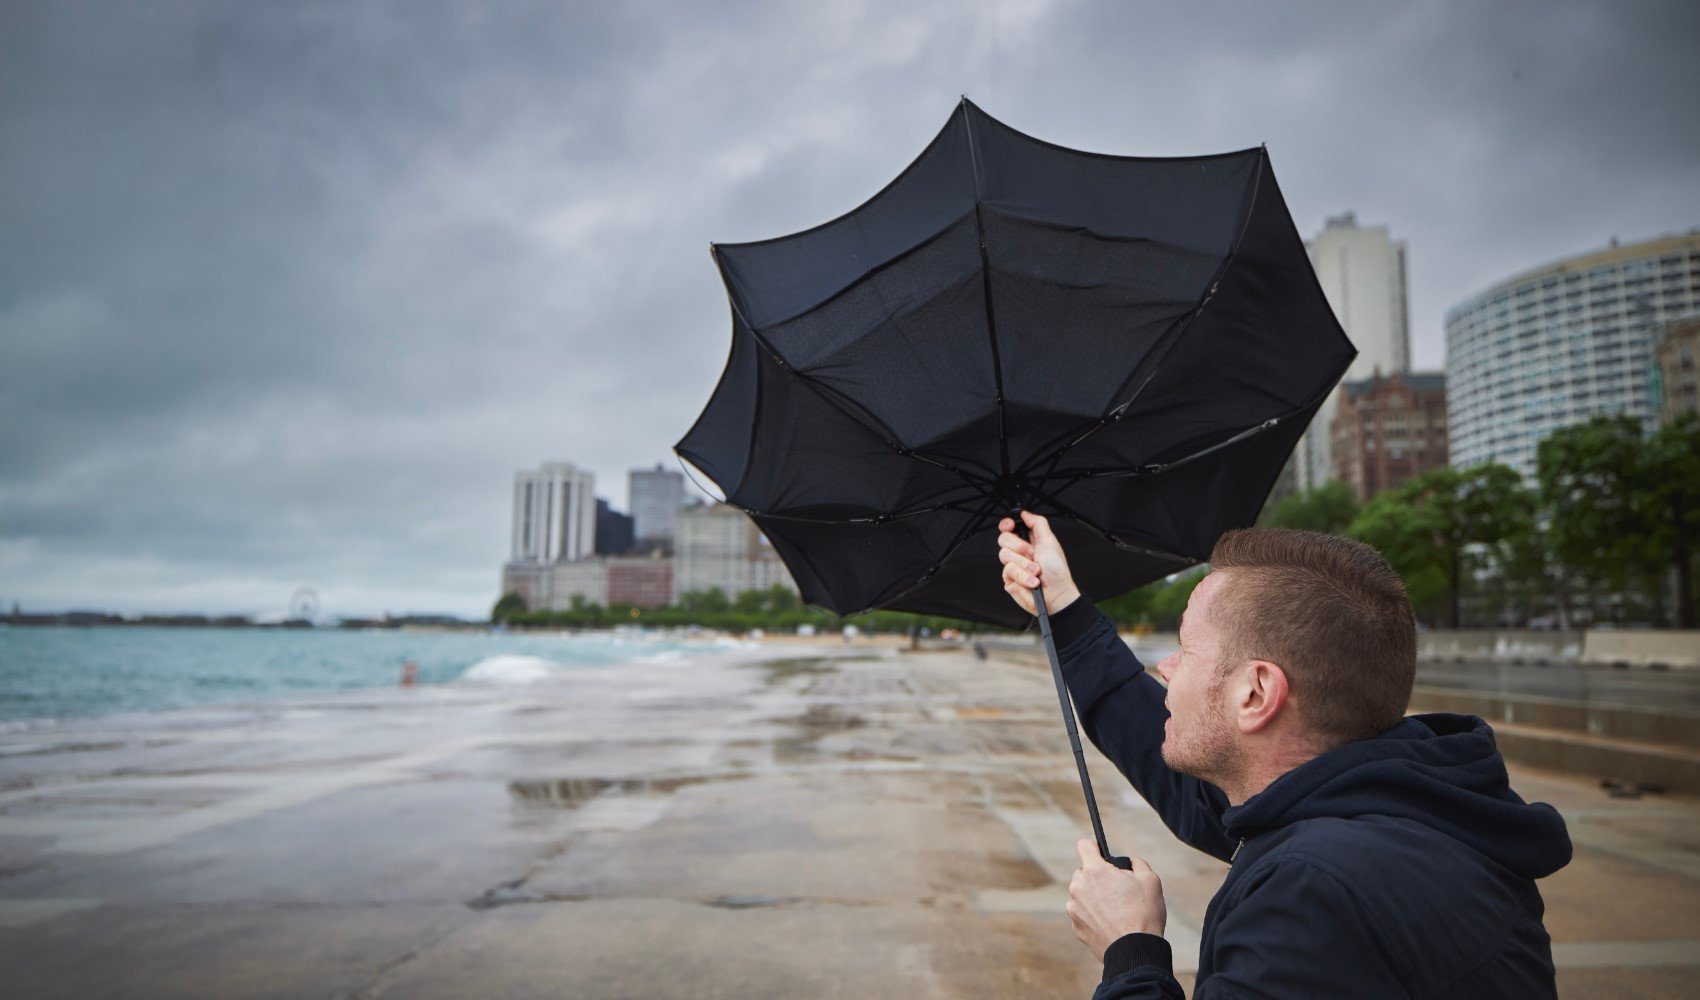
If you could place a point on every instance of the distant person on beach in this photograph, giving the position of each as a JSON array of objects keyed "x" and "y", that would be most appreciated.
[{"x": 1369, "y": 854}]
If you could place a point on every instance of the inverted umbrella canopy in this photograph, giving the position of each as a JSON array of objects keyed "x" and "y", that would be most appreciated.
[{"x": 1128, "y": 345}]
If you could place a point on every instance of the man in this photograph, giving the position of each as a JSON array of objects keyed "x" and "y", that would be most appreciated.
[{"x": 1370, "y": 855}]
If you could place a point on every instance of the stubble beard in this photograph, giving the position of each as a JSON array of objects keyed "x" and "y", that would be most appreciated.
[{"x": 1208, "y": 751}]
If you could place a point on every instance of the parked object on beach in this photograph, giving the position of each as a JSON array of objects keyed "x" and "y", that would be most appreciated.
[{"x": 1130, "y": 346}]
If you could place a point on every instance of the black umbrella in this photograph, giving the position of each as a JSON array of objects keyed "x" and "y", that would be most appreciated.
[{"x": 1130, "y": 346}]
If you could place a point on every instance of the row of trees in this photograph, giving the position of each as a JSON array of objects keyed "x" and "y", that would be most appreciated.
[
  {"x": 1609, "y": 527},
  {"x": 775, "y": 608}
]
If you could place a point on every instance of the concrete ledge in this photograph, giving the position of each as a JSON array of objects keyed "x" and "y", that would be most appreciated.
[
  {"x": 1669, "y": 769},
  {"x": 1524, "y": 645},
  {"x": 1668, "y": 648},
  {"x": 1674, "y": 729}
]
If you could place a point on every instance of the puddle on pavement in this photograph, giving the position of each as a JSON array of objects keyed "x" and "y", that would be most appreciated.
[
  {"x": 570, "y": 793},
  {"x": 748, "y": 902},
  {"x": 776, "y": 672},
  {"x": 818, "y": 722}
]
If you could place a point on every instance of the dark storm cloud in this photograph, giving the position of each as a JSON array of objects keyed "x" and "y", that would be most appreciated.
[{"x": 289, "y": 290}]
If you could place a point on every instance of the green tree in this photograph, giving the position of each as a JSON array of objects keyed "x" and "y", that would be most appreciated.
[
  {"x": 1169, "y": 600},
  {"x": 1671, "y": 475},
  {"x": 1594, "y": 484},
  {"x": 711, "y": 601},
  {"x": 1429, "y": 528},
  {"x": 1328, "y": 508},
  {"x": 509, "y": 605}
]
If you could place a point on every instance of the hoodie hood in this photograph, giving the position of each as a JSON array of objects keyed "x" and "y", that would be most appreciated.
[{"x": 1441, "y": 770}]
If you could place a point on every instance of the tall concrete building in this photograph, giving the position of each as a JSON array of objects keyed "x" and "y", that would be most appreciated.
[
  {"x": 1362, "y": 273},
  {"x": 656, "y": 496},
  {"x": 1558, "y": 344},
  {"x": 554, "y": 514},
  {"x": 718, "y": 546}
]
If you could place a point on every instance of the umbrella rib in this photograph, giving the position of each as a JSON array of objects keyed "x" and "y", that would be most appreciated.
[
  {"x": 986, "y": 291},
  {"x": 968, "y": 528},
  {"x": 992, "y": 332},
  {"x": 1158, "y": 468},
  {"x": 1182, "y": 327},
  {"x": 877, "y": 519},
  {"x": 1113, "y": 539}
]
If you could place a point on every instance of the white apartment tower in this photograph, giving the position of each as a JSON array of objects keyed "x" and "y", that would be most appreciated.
[
  {"x": 656, "y": 496},
  {"x": 1362, "y": 273},
  {"x": 554, "y": 514},
  {"x": 1561, "y": 343}
]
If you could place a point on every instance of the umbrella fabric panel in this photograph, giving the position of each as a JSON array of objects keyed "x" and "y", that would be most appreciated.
[
  {"x": 816, "y": 453},
  {"x": 907, "y": 342},
  {"x": 719, "y": 442},
  {"x": 1184, "y": 508},
  {"x": 1265, "y": 345},
  {"x": 773, "y": 279},
  {"x": 1064, "y": 295},
  {"x": 1193, "y": 202},
  {"x": 853, "y": 567}
]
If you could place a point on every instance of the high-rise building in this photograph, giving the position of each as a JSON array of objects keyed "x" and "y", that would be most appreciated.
[
  {"x": 613, "y": 530},
  {"x": 1362, "y": 273},
  {"x": 554, "y": 514},
  {"x": 1388, "y": 430},
  {"x": 718, "y": 546},
  {"x": 1558, "y": 344},
  {"x": 656, "y": 496},
  {"x": 1677, "y": 352}
]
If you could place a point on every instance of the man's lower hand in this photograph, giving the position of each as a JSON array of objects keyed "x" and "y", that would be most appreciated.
[{"x": 1106, "y": 903}]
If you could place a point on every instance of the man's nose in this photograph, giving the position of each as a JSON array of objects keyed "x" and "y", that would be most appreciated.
[{"x": 1167, "y": 667}]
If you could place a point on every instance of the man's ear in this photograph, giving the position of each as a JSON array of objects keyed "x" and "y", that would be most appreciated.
[{"x": 1263, "y": 693}]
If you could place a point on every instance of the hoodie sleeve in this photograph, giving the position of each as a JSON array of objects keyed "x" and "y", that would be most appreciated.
[
  {"x": 1121, "y": 709},
  {"x": 1298, "y": 932}
]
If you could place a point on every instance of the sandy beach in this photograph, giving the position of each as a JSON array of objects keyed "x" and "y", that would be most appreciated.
[{"x": 813, "y": 820}]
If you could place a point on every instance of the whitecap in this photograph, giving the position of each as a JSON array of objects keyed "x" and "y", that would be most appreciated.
[{"x": 509, "y": 668}]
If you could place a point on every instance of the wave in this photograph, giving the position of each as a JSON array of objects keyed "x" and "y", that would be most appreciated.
[{"x": 509, "y": 668}]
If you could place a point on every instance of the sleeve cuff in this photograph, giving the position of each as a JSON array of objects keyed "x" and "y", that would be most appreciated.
[
  {"x": 1131, "y": 951},
  {"x": 1074, "y": 621}
]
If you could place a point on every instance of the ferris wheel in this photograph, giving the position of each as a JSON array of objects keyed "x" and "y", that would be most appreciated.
[{"x": 304, "y": 605}]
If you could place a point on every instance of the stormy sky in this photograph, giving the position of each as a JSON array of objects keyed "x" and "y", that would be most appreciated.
[{"x": 288, "y": 290}]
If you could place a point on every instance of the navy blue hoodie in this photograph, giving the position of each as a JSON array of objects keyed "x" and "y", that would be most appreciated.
[{"x": 1397, "y": 866}]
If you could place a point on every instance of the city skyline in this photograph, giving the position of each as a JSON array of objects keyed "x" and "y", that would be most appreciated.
[{"x": 290, "y": 293}]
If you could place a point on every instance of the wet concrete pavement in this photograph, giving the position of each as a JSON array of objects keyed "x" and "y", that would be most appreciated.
[{"x": 765, "y": 824}]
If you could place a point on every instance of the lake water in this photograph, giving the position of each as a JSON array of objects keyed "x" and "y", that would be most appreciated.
[{"x": 68, "y": 672}]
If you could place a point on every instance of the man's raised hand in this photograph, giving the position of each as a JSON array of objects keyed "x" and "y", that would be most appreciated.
[{"x": 1028, "y": 564}]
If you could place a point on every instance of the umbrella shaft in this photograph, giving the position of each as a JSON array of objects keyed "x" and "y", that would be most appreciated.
[{"x": 1068, "y": 720}]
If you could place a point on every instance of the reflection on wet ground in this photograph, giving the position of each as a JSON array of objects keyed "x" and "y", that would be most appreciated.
[{"x": 568, "y": 793}]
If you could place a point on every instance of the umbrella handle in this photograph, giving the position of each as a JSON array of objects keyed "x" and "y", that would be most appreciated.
[{"x": 1068, "y": 718}]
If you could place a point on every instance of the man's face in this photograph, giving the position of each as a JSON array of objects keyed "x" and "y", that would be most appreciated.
[{"x": 1199, "y": 738}]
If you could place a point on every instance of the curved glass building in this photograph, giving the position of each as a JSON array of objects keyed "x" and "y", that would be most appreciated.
[{"x": 1554, "y": 346}]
